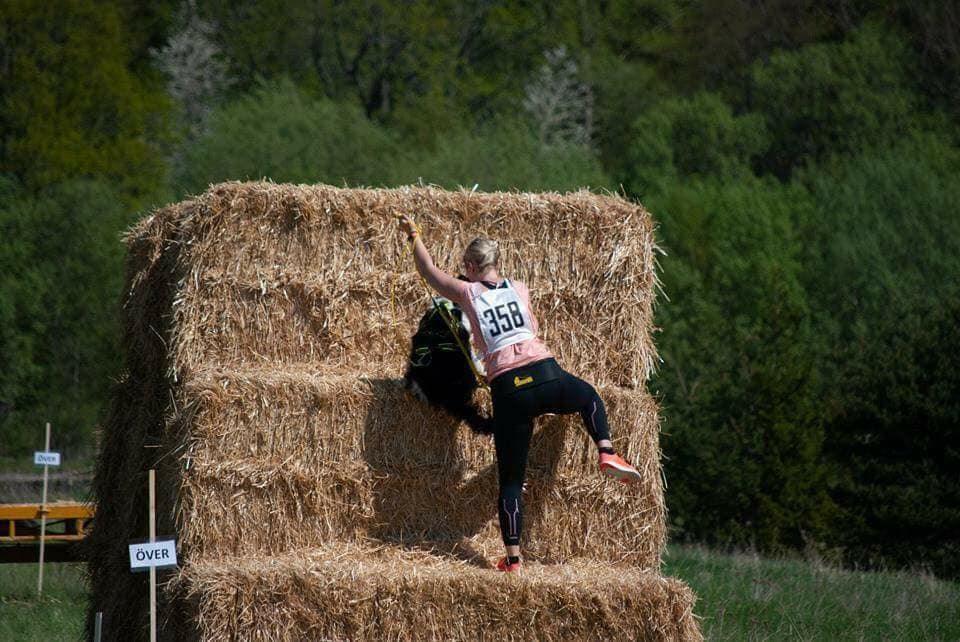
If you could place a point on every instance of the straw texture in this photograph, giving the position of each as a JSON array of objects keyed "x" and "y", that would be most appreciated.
[
  {"x": 343, "y": 457},
  {"x": 279, "y": 275},
  {"x": 265, "y": 331},
  {"x": 342, "y": 593}
]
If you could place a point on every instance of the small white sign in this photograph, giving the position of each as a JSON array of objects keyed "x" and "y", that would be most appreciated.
[
  {"x": 41, "y": 458},
  {"x": 159, "y": 554}
]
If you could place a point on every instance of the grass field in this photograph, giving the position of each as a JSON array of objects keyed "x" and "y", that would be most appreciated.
[
  {"x": 58, "y": 615},
  {"x": 741, "y": 597},
  {"x": 745, "y": 597}
]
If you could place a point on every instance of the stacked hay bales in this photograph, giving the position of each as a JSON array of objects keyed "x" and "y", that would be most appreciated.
[{"x": 266, "y": 327}]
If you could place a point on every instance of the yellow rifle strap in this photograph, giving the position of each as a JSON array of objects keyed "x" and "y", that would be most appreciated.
[{"x": 445, "y": 315}]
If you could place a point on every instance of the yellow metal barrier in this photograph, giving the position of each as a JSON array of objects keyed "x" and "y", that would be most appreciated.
[{"x": 19, "y": 523}]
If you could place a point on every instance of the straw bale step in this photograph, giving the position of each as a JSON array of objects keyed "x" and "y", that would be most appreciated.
[
  {"x": 348, "y": 593},
  {"x": 327, "y": 418},
  {"x": 282, "y": 273},
  {"x": 247, "y": 507},
  {"x": 325, "y": 457},
  {"x": 294, "y": 320}
]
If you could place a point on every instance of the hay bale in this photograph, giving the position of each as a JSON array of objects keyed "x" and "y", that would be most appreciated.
[
  {"x": 345, "y": 458},
  {"x": 391, "y": 594},
  {"x": 280, "y": 274},
  {"x": 262, "y": 354}
]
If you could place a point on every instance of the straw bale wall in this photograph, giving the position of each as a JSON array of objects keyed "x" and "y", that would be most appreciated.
[
  {"x": 401, "y": 595},
  {"x": 344, "y": 457},
  {"x": 265, "y": 329},
  {"x": 276, "y": 275}
]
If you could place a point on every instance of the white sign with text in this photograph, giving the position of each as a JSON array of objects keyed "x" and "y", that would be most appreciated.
[
  {"x": 159, "y": 554},
  {"x": 41, "y": 458}
]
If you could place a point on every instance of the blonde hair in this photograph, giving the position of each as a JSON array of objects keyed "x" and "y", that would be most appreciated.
[{"x": 482, "y": 252}]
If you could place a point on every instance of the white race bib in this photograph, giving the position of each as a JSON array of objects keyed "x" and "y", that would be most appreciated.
[{"x": 504, "y": 319}]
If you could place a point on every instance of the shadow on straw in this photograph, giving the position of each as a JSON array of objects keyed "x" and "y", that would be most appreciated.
[{"x": 425, "y": 495}]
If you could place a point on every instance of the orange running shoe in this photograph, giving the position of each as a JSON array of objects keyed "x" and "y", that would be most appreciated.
[
  {"x": 505, "y": 566},
  {"x": 616, "y": 467}
]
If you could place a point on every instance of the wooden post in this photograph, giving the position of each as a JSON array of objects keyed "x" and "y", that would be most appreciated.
[
  {"x": 98, "y": 627},
  {"x": 153, "y": 570},
  {"x": 43, "y": 514}
]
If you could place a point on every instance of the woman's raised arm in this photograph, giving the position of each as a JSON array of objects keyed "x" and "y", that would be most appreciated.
[{"x": 445, "y": 285}]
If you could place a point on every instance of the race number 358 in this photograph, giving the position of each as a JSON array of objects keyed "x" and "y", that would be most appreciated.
[{"x": 503, "y": 318}]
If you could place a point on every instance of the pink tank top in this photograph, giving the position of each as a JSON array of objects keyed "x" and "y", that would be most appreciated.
[{"x": 503, "y": 326}]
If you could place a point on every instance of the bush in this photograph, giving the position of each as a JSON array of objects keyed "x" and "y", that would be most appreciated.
[
  {"x": 60, "y": 279},
  {"x": 742, "y": 428},
  {"x": 834, "y": 98},
  {"x": 504, "y": 155},
  {"x": 883, "y": 252},
  {"x": 279, "y": 132},
  {"x": 686, "y": 137}
]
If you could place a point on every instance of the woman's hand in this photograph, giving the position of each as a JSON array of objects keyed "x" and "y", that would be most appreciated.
[
  {"x": 436, "y": 278},
  {"x": 407, "y": 225}
]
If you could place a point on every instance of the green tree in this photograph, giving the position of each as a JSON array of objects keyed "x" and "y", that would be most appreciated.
[
  {"x": 60, "y": 278},
  {"x": 21, "y": 316},
  {"x": 280, "y": 132},
  {"x": 681, "y": 138},
  {"x": 715, "y": 41},
  {"x": 70, "y": 104},
  {"x": 742, "y": 432},
  {"x": 883, "y": 257},
  {"x": 933, "y": 26},
  {"x": 622, "y": 90},
  {"x": 834, "y": 98},
  {"x": 419, "y": 66},
  {"x": 506, "y": 154},
  {"x": 896, "y": 442},
  {"x": 413, "y": 64}
]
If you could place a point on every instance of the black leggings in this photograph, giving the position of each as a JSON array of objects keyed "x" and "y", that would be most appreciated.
[{"x": 514, "y": 409}]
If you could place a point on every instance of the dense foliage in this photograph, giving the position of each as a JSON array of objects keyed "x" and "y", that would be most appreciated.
[{"x": 801, "y": 159}]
